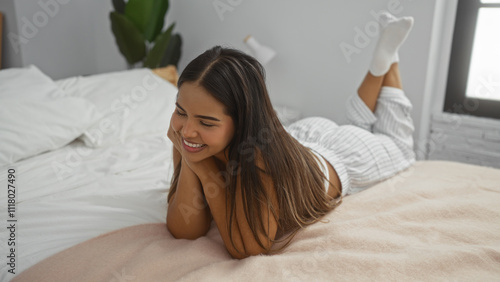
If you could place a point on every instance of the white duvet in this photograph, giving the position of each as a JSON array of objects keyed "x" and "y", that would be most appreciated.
[
  {"x": 75, "y": 186},
  {"x": 102, "y": 190}
]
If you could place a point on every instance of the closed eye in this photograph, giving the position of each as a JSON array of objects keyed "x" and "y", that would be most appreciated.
[
  {"x": 179, "y": 113},
  {"x": 206, "y": 124}
]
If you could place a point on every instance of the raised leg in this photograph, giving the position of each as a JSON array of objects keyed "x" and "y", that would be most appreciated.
[
  {"x": 392, "y": 35},
  {"x": 393, "y": 78},
  {"x": 369, "y": 90},
  {"x": 384, "y": 69}
]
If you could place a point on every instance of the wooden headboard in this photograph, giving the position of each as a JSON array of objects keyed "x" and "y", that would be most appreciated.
[{"x": 169, "y": 73}]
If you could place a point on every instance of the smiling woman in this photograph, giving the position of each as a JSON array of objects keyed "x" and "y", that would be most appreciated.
[
  {"x": 215, "y": 178},
  {"x": 204, "y": 126},
  {"x": 260, "y": 182}
]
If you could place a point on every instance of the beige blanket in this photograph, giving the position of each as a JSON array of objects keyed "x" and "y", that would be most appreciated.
[{"x": 434, "y": 221}]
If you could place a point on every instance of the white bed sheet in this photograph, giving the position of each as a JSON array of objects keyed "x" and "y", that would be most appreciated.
[
  {"x": 79, "y": 191},
  {"x": 75, "y": 193}
]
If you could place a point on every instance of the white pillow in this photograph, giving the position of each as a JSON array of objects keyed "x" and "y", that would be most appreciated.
[
  {"x": 35, "y": 117},
  {"x": 31, "y": 127},
  {"x": 27, "y": 83},
  {"x": 133, "y": 103}
]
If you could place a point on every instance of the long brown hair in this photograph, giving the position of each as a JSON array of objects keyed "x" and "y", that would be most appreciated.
[{"x": 237, "y": 80}]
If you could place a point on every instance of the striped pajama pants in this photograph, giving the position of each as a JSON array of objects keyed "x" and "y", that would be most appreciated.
[{"x": 373, "y": 147}]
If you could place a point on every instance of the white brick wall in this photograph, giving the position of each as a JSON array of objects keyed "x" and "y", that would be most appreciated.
[{"x": 465, "y": 139}]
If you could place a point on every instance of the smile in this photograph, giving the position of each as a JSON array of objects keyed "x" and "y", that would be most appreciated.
[{"x": 192, "y": 147}]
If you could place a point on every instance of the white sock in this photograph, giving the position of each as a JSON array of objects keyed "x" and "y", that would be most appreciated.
[{"x": 393, "y": 33}]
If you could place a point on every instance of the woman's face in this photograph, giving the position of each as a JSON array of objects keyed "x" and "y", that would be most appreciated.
[{"x": 201, "y": 121}]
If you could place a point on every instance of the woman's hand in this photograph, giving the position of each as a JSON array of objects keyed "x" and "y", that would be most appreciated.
[
  {"x": 175, "y": 137},
  {"x": 197, "y": 167},
  {"x": 203, "y": 167}
]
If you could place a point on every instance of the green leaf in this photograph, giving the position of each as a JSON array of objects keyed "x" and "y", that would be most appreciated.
[
  {"x": 119, "y": 6},
  {"x": 129, "y": 40},
  {"x": 155, "y": 55},
  {"x": 173, "y": 52},
  {"x": 147, "y": 15}
]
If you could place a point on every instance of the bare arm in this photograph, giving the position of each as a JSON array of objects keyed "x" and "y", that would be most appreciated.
[
  {"x": 188, "y": 215},
  {"x": 244, "y": 243}
]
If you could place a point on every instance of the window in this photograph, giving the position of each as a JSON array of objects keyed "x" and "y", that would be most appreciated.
[{"x": 473, "y": 85}]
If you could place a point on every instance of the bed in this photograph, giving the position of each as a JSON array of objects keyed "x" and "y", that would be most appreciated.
[{"x": 89, "y": 166}]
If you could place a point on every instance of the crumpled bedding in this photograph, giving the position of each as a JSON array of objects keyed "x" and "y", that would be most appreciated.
[{"x": 434, "y": 221}]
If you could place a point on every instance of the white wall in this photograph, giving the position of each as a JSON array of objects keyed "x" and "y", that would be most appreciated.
[
  {"x": 310, "y": 72},
  {"x": 10, "y": 57},
  {"x": 437, "y": 71},
  {"x": 62, "y": 37}
]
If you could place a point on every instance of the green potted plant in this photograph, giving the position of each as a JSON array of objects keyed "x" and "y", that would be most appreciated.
[{"x": 138, "y": 29}]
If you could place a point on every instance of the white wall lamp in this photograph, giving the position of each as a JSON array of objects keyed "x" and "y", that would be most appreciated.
[{"x": 262, "y": 53}]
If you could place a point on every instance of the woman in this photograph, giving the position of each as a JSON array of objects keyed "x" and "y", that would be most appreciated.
[{"x": 237, "y": 165}]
